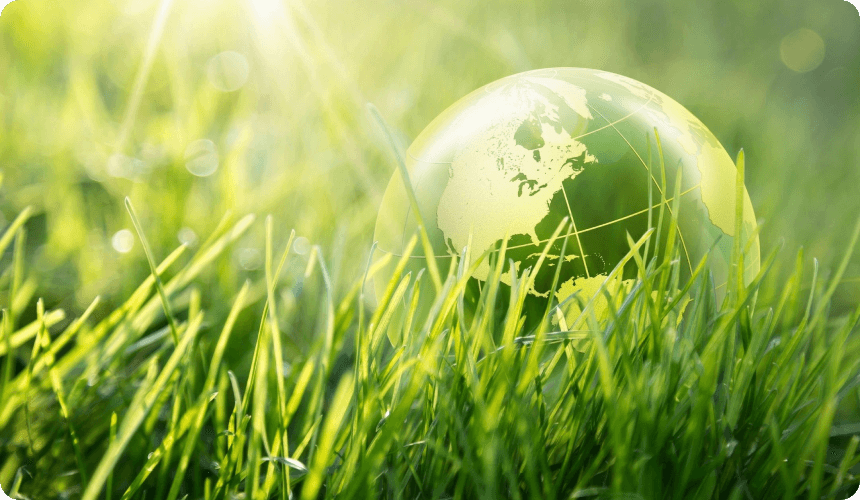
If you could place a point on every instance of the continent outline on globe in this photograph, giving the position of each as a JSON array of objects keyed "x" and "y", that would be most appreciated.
[{"x": 515, "y": 157}]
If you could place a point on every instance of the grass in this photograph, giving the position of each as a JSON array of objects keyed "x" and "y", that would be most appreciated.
[{"x": 666, "y": 394}]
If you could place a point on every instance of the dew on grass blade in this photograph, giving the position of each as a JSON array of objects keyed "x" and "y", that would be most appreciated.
[
  {"x": 123, "y": 241},
  {"x": 228, "y": 71},
  {"x": 201, "y": 158}
]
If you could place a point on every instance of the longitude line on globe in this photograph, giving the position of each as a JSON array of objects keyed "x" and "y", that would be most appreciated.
[
  {"x": 645, "y": 166},
  {"x": 575, "y": 232}
]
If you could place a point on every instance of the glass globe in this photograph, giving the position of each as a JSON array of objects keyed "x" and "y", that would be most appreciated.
[{"x": 512, "y": 159}]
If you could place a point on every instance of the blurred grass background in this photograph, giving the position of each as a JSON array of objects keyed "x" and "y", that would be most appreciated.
[{"x": 265, "y": 101}]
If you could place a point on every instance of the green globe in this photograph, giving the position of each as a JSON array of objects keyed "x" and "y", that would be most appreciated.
[{"x": 515, "y": 157}]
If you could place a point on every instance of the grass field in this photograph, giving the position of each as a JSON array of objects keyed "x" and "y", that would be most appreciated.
[{"x": 227, "y": 145}]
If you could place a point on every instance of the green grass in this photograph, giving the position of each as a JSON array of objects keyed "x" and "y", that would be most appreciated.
[{"x": 666, "y": 395}]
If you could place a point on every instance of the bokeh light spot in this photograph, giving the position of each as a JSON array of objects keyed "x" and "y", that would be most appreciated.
[
  {"x": 301, "y": 246},
  {"x": 201, "y": 158},
  {"x": 123, "y": 241},
  {"x": 187, "y": 236},
  {"x": 802, "y": 50},
  {"x": 228, "y": 71}
]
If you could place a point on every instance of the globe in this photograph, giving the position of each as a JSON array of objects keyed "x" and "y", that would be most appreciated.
[{"x": 511, "y": 160}]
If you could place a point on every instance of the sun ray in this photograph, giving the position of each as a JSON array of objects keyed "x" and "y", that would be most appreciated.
[
  {"x": 276, "y": 29},
  {"x": 142, "y": 75}
]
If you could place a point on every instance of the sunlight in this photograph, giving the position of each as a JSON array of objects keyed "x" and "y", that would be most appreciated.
[{"x": 264, "y": 9}]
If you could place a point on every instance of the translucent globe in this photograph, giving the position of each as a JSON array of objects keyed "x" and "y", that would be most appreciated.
[{"x": 515, "y": 157}]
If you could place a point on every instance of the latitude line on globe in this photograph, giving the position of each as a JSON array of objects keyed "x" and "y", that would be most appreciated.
[
  {"x": 612, "y": 124},
  {"x": 680, "y": 234},
  {"x": 634, "y": 214}
]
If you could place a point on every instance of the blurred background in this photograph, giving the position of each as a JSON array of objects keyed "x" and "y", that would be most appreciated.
[{"x": 194, "y": 108}]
